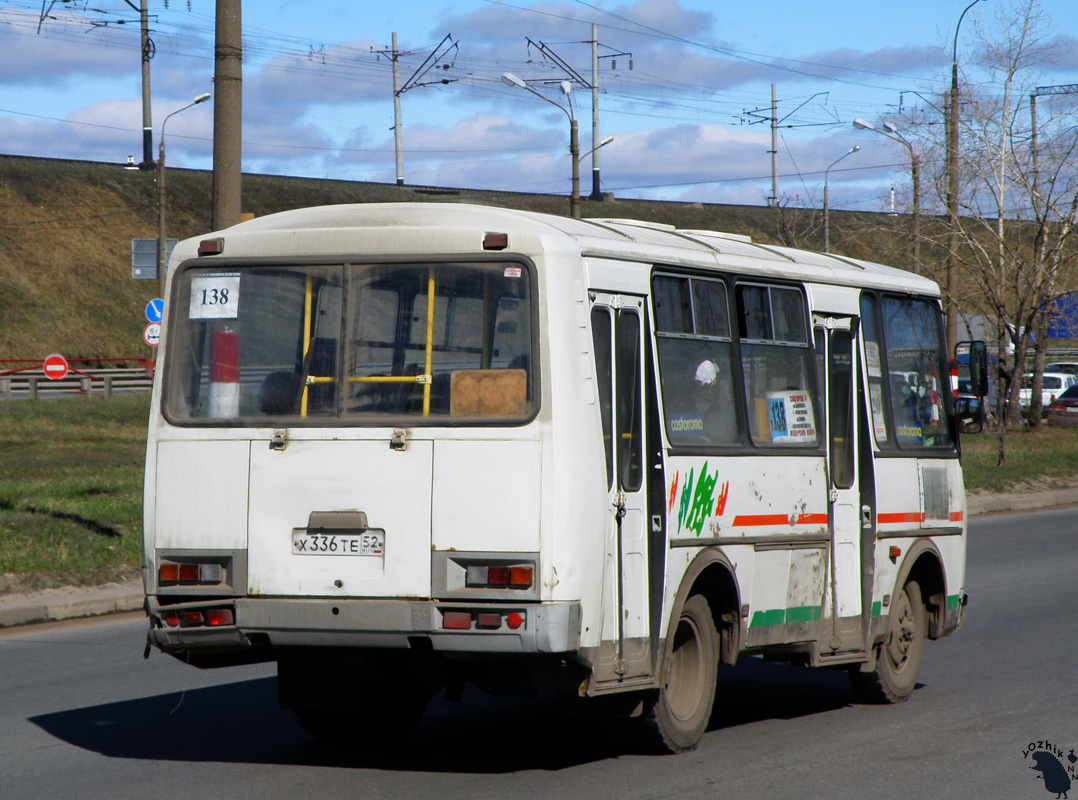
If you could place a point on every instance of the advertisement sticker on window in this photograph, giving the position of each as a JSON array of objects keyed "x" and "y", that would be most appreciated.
[{"x": 790, "y": 417}]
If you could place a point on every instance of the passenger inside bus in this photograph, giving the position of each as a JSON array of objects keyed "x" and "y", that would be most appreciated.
[{"x": 712, "y": 399}]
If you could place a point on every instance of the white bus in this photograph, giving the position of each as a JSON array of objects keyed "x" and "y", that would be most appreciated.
[{"x": 400, "y": 447}]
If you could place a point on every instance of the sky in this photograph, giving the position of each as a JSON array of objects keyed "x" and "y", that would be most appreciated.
[{"x": 684, "y": 89}]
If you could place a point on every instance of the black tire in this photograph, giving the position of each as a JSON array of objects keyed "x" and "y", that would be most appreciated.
[
  {"x": 676, "y": 716},
  {"x": 898, "y": 661}
]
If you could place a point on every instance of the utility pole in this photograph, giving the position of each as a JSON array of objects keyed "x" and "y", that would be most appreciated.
[
  {"x": 772, "y": 117},
  {"x": 575, "y": 77},
  {"x": 1070, "y": 88},
  {"x": 397, "y": 113},
  {"x": 428, "y": 64},
  {"x": 596, "y": 192},
  {"x": 227, "y": 114},
  {"x": 773, "y": 200},
  {"x": 147, "y": 54}
]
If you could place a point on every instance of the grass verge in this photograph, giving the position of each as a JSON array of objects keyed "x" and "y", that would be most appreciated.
[
  {"x": 71, "y": 491},
  {"x": 1042, "y": 459}
]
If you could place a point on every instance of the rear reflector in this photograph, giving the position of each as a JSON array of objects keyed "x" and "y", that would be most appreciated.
[
  {"x": 514, "y": 620},
  {"x": 217, "y": 617},
  {"x": 490, "y": 621},
  {"x": 457, "y": 620}
]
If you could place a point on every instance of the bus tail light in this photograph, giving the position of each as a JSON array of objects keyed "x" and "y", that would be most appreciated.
[
  {"x": 500, "y": 576},
  {"x": 457, "y": 620},
  {"x": 198, "y": 618},
  {"x": 217, "y": 617},
  {"x": 172, "y": 573}
]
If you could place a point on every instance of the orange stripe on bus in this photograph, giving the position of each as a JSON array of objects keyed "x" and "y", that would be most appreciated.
[
  {"x": 756, "y": 520},
  {"x": 957, "y": 516},
  {"x": 901, "y": 516}
]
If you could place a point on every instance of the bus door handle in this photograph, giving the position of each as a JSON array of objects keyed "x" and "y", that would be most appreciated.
[{"x": 866, "y": 517}]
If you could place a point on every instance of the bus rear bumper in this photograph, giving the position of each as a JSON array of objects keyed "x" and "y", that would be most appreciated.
[{"x": 320, "y": 622}]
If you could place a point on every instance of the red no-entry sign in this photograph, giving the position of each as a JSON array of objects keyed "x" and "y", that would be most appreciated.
[{"x": 55, "y": 367}]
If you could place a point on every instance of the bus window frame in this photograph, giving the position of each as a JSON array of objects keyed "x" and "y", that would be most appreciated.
[
  {"x": 744, "y": 444},
  {"x": 892, "y": 448},
  {"x": 344, "y": 262}
]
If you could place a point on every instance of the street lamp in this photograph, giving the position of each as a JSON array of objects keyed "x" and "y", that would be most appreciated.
[
  {"x": 161, "y": 241},
  {"x": 603, "y": 143},
  {"x": 952, "y": 188},
  {"x": 509, "y": 79},
  {"x": 891, "y": 132},
  {"x": 826, "y": 213}
]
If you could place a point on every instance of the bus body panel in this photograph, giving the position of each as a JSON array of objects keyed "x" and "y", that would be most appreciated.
[
  {"x": 212, "y": 511},
  {"x": 308, "y": 477}
]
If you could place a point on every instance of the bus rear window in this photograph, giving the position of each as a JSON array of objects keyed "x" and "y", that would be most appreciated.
[{"x": 404, "y": 344}]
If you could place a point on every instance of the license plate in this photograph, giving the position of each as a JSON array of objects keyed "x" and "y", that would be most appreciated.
[{"x": 368, "y": 543}]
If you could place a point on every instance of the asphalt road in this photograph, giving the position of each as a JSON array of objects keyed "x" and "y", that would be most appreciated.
[{"x": 83, "y": 716}]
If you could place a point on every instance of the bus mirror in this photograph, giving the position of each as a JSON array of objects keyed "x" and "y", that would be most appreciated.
[
  {"x": 978, "y": 368},
  {"x": 976, "y": 354},
  {"x": 970, "y": 414}
]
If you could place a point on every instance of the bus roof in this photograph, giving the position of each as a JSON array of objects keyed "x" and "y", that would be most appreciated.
[{"x": 448, "y": 228}]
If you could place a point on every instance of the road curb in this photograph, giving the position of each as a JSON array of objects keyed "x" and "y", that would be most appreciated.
[
  {"x": 1032, "y": 501},
  {"x": 54, "y": 605}
]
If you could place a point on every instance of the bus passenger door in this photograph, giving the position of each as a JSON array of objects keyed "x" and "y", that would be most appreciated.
[
  {"x": 838, "y": 335},
  {"x": 618, "y": 334}
]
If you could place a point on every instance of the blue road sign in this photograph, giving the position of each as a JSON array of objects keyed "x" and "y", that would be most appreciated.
[{"x": 154, "y": 309}]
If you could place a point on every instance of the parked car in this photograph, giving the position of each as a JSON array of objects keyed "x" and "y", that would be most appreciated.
[
  {"x": 1055, "y": 384},
  {"x": 1063, "y": 411}
]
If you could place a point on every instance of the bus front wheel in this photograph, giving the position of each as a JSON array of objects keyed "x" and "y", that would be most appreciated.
[
  {"x": 898, "y": 661},
  {"x": 676, "y": 716}
]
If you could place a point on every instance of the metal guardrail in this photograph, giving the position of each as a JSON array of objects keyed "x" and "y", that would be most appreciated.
[{"x": 102, "y": 382}]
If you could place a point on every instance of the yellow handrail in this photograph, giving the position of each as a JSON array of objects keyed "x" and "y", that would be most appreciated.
[
  {"x": 306, "y": 341},
  {"x": 430, "y": 339}
]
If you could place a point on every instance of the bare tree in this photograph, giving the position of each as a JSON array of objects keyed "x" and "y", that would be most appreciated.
[{"x": 1018, "y": 199}]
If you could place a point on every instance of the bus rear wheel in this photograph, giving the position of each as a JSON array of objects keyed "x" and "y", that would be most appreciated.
[
  {"x": 676, "y": 716},
  {"x": 898, "y": 661}
]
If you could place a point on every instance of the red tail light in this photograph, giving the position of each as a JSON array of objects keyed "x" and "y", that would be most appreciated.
[
  {"x": 217, "y": 617},
  {"x": 198, "y": 618},
  {"x": 172, "y": 573},
  {"x": 501, "y": 576}
]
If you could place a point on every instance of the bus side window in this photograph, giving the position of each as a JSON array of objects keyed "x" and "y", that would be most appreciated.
[
  {"x": 776, "y": 362},
  {"x": 600, "y": 331},
  {"x": 692, "y": 331}
]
